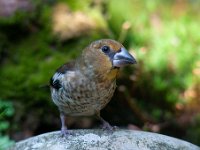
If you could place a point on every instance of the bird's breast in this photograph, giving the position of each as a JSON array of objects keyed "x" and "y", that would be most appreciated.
[{"x": 83, "y": 95}]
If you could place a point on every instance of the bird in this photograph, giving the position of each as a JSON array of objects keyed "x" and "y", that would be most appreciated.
[{"x": 84, "y": 86}]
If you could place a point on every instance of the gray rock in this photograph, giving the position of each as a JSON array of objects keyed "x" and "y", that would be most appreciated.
[{"x": 102, "y": 140}]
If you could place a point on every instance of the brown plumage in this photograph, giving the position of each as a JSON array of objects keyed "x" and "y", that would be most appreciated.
[{"x": 84, "y": 87}]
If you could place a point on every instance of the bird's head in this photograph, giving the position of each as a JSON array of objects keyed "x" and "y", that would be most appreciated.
[{"x": 106, "y": 56}]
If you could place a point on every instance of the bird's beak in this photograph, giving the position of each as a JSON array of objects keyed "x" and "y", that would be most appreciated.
[{"x": 123, "y": 58}]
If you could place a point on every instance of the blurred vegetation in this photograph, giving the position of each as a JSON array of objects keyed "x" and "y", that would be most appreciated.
[
  {"x": 160, "y": 94},
  {"x": 6, "y": 111}
]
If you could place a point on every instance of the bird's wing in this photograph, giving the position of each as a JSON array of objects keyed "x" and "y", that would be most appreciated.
[
  {"x": 60, "y": 74},
  {"x": 70, "y": 66}
]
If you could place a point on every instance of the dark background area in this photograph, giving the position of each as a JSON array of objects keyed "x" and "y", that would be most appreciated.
[{"x": 159, "y": 94}]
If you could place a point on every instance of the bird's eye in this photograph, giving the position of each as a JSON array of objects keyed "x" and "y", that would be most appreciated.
[{"x": 105, "y": 49}]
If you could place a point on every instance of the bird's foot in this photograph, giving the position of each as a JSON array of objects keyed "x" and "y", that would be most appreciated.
[
  {"x": 65, "y": 132},
  {"x": 106, "y": 126}
]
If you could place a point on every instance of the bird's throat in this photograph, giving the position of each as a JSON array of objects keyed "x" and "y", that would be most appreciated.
[{"x": 112, "y": 74}]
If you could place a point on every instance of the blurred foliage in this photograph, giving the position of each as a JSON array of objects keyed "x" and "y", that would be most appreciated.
[
  {"x": 194, "y": 129},
  {"x": 160, "y": 94},
  {"x": 6, "y": 111}
]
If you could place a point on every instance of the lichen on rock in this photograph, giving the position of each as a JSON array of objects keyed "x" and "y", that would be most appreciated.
[{"x": 99, "y": 139}]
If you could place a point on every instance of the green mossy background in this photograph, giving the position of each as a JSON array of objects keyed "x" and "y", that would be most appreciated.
[{"x": 160, "y": 94}]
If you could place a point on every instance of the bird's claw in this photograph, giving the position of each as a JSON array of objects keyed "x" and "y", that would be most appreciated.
[
  {"x": 66, "y": 133},
  {"x": 106, "y": 126}
]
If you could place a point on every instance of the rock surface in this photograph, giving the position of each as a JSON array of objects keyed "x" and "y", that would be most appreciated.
[{"x": 102, "y": 140}]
